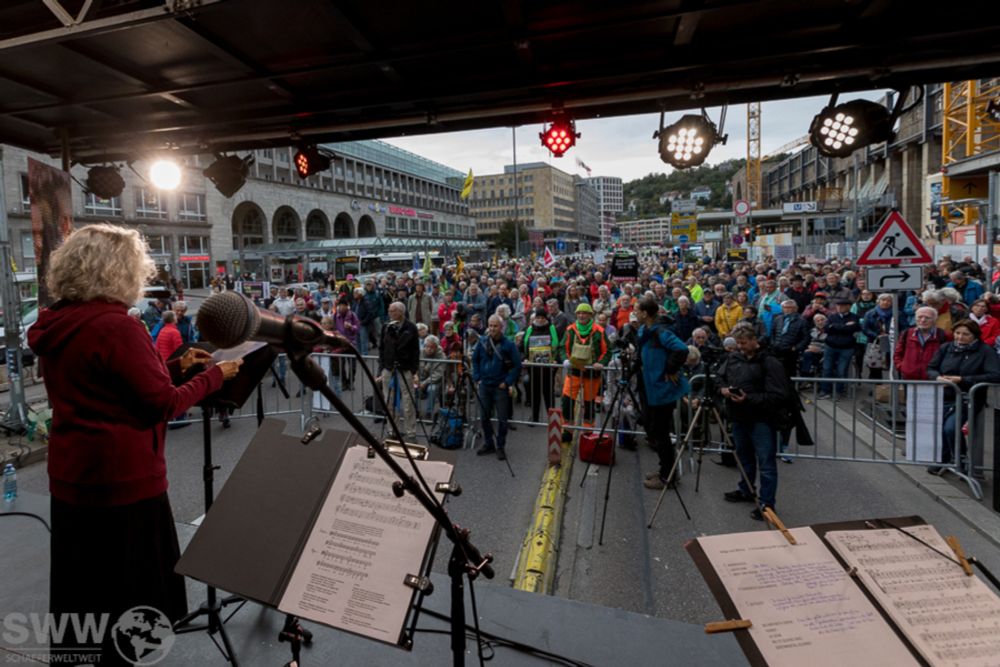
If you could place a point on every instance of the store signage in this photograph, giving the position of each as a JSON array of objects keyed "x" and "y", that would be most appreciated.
[{"x": 194, "y": 258}]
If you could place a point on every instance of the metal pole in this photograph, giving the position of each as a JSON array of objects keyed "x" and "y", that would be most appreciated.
[
  {"x": 16, "y": 418},
  {"x": 517, "y": 199},
  {"x": 993, "y": 221},
  {"x": 853, "y": 238},
  {"x": 893, "y": 332}
]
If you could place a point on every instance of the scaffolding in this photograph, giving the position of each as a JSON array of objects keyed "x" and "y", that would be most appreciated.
[{"x": 967, "y": 131}]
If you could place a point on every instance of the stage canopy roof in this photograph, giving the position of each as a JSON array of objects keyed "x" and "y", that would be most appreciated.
[{"x": 118, "y": 79}]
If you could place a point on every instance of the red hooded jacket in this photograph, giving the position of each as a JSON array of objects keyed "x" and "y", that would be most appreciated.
[
  {"x": 111, "y": 395},
  {"x": 912, "y": 358}
]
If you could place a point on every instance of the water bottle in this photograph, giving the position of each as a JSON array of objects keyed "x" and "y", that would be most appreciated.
[{"x": 9, "y": 482}]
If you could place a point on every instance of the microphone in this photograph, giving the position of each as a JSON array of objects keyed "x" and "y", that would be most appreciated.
[{"x": 228, "y": 319}]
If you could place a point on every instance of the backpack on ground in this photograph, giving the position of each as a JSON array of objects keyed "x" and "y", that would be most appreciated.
[{"x": 449, "y": 431}]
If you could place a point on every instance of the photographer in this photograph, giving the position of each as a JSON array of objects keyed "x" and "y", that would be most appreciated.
[
  {"x": 754, "y": 385},
  {"x": 663, "y": 355}
]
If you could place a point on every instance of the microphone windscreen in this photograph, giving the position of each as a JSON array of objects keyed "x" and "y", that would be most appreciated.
[{"x": 227, "y": 319}]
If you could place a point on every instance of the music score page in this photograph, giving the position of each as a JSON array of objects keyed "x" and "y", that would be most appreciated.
[
  {"x": 804, "y": 607},
  {"x": 363, "y": 544},
  {"x": 952, "y": 619}
]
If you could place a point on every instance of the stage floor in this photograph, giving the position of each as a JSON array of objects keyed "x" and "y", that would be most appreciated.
[{"x": 585, "y": 633}]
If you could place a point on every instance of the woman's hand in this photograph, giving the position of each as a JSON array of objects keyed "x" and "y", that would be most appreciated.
[
  {"x": 193, "y": 357},
  {"x": 230, "y": 368}
]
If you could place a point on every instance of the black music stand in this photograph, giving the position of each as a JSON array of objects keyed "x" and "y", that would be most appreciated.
[
  {"x": 233, "y": 395},
  {"x": 250, "y": 541}
]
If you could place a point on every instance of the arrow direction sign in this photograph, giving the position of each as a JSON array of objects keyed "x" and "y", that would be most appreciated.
[{"x": 895, "y": 278}]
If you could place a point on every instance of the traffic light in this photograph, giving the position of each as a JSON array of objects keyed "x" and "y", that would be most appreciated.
[
  {"x": 559, "y": 137},
  {"x": 309, "y": 161},
  {"x": 747, "y": 236}
]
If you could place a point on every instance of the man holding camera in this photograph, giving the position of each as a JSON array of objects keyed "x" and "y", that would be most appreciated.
[
  {"x": 496, "y": 366},
  {"x": 754, "y": 384},
  {"x": 663, "y": 355}
]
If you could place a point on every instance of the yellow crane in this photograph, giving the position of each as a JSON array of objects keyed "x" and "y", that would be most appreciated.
[{"x": 967, "y": 130}]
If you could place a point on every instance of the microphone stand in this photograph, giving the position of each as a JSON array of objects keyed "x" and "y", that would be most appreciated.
[{"x": 466, "y": 559}]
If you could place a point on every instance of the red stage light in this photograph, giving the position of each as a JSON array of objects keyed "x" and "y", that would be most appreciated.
[{"x": 559, "y": 137}]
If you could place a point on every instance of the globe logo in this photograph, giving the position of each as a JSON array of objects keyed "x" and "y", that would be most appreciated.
[{"x": 143, "y": 636}]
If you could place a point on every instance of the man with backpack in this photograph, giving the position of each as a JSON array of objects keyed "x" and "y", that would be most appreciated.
[{"x": 663, "y": 355}]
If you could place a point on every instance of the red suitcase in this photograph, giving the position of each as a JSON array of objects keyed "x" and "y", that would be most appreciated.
[{"x": 597, "y": 450}]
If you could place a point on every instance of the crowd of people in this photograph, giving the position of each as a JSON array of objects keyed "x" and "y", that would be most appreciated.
[{"x": 514, "y": 322}]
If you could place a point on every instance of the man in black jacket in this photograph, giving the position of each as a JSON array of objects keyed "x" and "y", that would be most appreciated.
[
  {"x": 841, "y": 328},
  {"x": 753, "y": 382},
  {"x": 789, "y": 336},
  {"x": 399, "y": 359}
]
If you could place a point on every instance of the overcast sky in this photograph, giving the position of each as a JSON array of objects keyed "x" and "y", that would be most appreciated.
[{"x": 622, "y": 146}]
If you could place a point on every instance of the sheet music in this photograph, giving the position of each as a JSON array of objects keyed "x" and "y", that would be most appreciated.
[
  {"x": 365, "y": 541},
  {"x": 238, "y": 352},
  {"x": 952, "y": 619},
  {"x": 804, "y": 607}
]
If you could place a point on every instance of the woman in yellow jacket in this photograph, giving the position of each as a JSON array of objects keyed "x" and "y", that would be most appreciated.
[{"x": 727, "y": 315}]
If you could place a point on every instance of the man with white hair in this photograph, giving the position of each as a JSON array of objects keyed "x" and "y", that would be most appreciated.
[
  {"x": 399, "y": 359},
  {"x": 918, "y": 345},
  {"x": 496, "y": 366},
  {"x": 428, "y": 383}
]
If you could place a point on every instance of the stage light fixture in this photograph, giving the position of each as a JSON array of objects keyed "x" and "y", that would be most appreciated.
[
  {"x": 165, "y": 174},
  {"x": 309, "y": 160},
  {"x": 993, "y": 110},
  {"x": 559, "y": 136},
  {"x": 687, "y": 142},
  {"x": 229, "y": 173},
  {"x": 105, "y": 182},
  {"x": 840, "y": 129}
]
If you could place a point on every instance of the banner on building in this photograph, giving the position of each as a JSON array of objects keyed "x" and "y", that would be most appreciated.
[{"x": 51, "y": 217}]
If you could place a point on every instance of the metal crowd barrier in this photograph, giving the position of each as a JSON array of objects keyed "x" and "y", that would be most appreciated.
[{"x": 918, "y": 404}]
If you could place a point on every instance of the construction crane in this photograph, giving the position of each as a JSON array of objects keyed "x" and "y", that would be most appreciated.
[
  {"x": 968, "y": 129},
  {"x": 753, "y": 155},
  {"x": 754, "y": 159}
]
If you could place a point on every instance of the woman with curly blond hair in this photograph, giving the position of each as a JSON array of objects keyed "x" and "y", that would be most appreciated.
[{"x": 114, "y": 545}]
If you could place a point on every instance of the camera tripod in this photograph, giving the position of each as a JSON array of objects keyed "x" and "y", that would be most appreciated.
[
  {"x": 623, "y": 390},
  {"x": 465, "y": 380},
  {"x": 706, "y": 407}
]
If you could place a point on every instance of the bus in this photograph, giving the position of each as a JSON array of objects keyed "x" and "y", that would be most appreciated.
[{"x": 365, "y": 266}]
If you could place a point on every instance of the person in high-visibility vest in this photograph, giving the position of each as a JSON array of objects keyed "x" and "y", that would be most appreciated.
[{"x": 585, "y": 350}]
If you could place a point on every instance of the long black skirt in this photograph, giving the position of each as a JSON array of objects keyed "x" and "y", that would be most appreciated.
[{"x": 107, "y": 560}]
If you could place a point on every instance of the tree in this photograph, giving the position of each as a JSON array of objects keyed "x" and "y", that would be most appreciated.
[{"x": 505, "y": 237}]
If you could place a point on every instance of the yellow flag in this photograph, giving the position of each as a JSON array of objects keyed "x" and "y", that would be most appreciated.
[
  {"x": 459, "y": 266},
  {"x": 467, "y": 188},
  {"x": 428, "y": 267}
]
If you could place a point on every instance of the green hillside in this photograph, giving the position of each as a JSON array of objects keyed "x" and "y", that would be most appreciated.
[{"x": 647, "y": 190}]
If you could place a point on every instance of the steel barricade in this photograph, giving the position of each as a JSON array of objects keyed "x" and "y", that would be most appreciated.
[
  {"x": 925, "y": 404},
  {"x": 274, "y": 401},
  {"x": 977, "y": 441}
]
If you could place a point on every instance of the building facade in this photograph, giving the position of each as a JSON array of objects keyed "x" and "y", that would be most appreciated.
[
  {"x": 371, "y": 190},
  {"x": 543, "y": 198},
  {"x": 649, "y": 232},
  {"x": 610, "y": 195}
]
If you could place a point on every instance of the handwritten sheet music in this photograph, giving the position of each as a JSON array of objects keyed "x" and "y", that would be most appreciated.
[
  {"x": 804, "y": 607},
  {"x": 365, "y": 541},
  {"x": 952, "y": 619}
]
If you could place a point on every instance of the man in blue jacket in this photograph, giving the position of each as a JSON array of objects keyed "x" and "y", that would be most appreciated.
[
  {"x": 496, "y": 365},
  {"x": 663, "y": 355}
]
